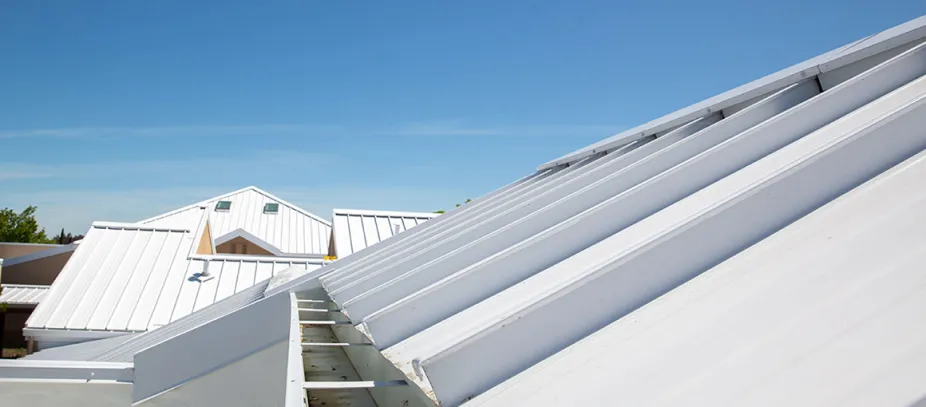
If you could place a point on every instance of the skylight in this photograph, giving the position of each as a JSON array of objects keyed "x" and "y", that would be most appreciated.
[
  {"x": 271, "y": 208},
  {"x": 223, "y": 205}
]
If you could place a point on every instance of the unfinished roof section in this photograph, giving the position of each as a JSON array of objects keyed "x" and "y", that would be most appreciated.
[
  {"x": 291, "y": 230},
  {"x": 354, "y": 230},
  {"x": 138, "y": 277},
  {"x": 512, "y": 278}
]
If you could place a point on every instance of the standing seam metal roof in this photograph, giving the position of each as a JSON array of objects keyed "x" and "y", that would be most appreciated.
[
  {"x": 138, "y": 277},
  {"x": 292, "y": 230},
  {"x": 470, "y": 299},
  {"x": 354, "y": 230},
  {"x": 21, "y": 294}
]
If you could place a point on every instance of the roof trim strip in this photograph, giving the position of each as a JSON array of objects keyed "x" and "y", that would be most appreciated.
[{"x": 890, "y": 38}]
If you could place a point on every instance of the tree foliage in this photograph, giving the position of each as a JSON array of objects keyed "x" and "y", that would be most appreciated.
[
  {"x": 67, "y": 238},
  {"x": 441, "y": 211},
  {"x": 21, "y": 227}
]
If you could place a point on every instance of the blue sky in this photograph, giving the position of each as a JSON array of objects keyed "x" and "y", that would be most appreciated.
[{"x": 121, "y": 110}]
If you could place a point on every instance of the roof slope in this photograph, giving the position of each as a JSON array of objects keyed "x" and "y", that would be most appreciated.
[
  {"x": 292, "y": 230},
  {"x": 354, "y": 230},
  {"x": 20, "y": 294},
  {"x": 821, "y": 313},
  {"x": 137, "y": 277},
  {"x": 470, "y": 299}
]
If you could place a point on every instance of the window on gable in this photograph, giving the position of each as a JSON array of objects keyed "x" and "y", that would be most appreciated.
[
  {"x": 271, "y": 208},
  {"x": 223, "y": 205}
]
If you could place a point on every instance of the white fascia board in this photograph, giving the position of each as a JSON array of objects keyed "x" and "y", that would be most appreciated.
[
  {"x": 41, "y": 334},
  {"x": 249, "y": 237},
  {"x": 738, "y": 329},
  {"x": 499, "y": 336},
  {"x": 51, "y": 251},
  {"x": 393, "y": 214},
  {"x": 139, "y": 226},
  {"x": 443, "y": 225},
  {"x": 377, "y": 290},
  {"x": 385, "y": 246},
  {"x": 909, "y": 31},
  {"x": 295, "y": 371},
  {"x": 25, "y": 369},
  {"x": 259, "y": 259},
  {"x": 472, "y": 284},
  {"x": 759, "y": 130}
]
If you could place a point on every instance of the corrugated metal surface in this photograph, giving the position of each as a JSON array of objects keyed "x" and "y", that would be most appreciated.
[
  {"x": 824, "y": 313},
  {"x": 136, "y": 277},
  {"x": 472, "y": 298},
  {"x": 18, "y": 294},
  {"x": 354, "y": 230},
  {"x": 292, "y": 230}
]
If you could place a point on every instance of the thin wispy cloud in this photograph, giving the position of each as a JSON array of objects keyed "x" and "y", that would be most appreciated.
[
  {"x": 241, "y": 166},
  {"x": 453, "y": 128},
  {"x": 174, "y": 131},
  {"x": 458, "y": 128}
]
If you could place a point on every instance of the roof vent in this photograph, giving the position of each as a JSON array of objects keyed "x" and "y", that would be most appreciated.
[{"x": 396, "y": 229}]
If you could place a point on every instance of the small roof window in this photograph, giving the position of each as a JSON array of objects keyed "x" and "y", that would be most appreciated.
[
  {"x": 223, "y": 205},
  {"x": 271, "y": 208}
]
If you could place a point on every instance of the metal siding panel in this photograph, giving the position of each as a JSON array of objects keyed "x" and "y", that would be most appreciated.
[
  {"x": 357, "y": 240},
  {"x": 383, "y": 228},
  {"x": 264, "y": 271},
  {"x": 207, "y": 290},
  {"x": 170, "y": 286},
  {"x": 228, "y": 281},
  {"x": 246, "y": 276},
  {"x": 117, "y": 282},
  {"x": 288, "y": 230},
  {"x": 65, "y": 279},
  {"x": 147, "y": 265},
  {"x": 298, "y": 235},
  {"x": 175, "y": 249},
  {"x": 250, "y": 224},
  {"x": 277, "y": 267},
  {"x": 409, "y": 223},
  {"x": 189, "y": 291},
  {"x": 76, "y": 292},
  {"x": 311, "y": 244},
  {"x": 370, "y": 234},
  {"x": 342, "y": 237}
]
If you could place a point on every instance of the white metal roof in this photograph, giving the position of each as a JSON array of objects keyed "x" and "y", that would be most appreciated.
[
  {"x": 472, "y": 298},
  {"x": 823, "y": 313},
  {"x": 292, "y": 230},
  {"x": 21, "y": 294},
  {"x": 354, "y": 230},
  {"x": 569, "y": 285},
  {"x": 137, "y": 277}
]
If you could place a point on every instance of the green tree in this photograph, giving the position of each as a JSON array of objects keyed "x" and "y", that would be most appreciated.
[{"x": 21, "y": 227}]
